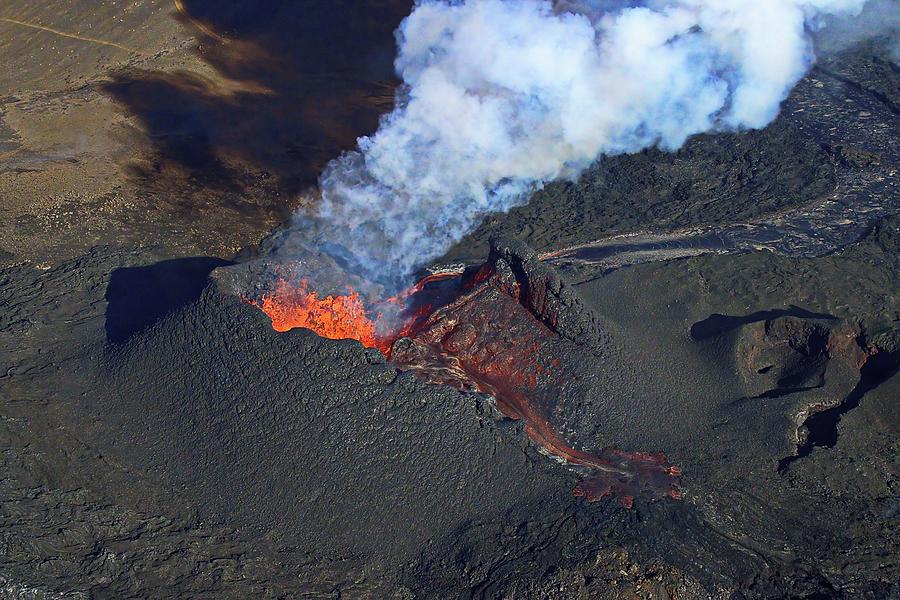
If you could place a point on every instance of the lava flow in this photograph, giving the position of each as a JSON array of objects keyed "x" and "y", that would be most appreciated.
[
  {"x": 474, "y": 332},
  {"x": 333, "y": 317}
]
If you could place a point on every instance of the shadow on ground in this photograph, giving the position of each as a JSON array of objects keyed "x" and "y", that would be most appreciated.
[
  {"x": 716, "y": 324},
  {"x": 301, "y": 81},
  {"x": 137, "y": 297}
]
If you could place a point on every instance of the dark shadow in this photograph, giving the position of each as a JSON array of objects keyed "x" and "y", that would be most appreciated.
[
  {"x": 716, "y": 324},
  {"x": 301, "y": 81},
  {"x": 137, "y": 297},
  {"x": 775, "y": 393},
  {"x": 781, "y": 392}
]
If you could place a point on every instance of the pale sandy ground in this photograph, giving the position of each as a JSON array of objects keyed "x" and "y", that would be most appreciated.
[{"x": 69, "y": 150}]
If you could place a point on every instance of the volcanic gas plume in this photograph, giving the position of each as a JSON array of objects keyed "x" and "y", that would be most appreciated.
[{"x": 500, "y": 97}]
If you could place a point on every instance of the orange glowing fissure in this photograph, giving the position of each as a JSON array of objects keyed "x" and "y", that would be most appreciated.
[
  {"x": 341, "y": 317},
  {"x": 335, "y": 317}
]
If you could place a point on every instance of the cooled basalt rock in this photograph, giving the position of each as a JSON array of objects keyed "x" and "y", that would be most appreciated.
[
  {"x": 783, "y": 354},
  {"x": 545, "y": 293},
  {"x": 819, "y": 362}
]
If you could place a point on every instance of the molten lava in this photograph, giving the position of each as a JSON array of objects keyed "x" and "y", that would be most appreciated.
[
  {"x": 348, "y": 317},
  {"x": 334, "y": 317}
]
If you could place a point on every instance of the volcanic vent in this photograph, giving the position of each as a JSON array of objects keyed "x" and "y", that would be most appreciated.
[
  {"x": 566, "y": 84},
  {"x": 511, "y": 328}
]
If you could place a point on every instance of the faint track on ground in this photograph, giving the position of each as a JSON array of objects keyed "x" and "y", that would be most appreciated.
[{"x": 73, "y": 36}]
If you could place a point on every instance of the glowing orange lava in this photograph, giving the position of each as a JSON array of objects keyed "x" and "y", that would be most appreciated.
[
  {"x": 334, "y": 317},
  {"x": 345, "y": 317}
]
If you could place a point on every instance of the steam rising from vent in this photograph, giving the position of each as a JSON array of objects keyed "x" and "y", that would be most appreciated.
[{"x": 503, "y": 96}]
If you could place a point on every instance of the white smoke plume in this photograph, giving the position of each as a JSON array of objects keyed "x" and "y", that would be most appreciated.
[
  {"x": 878, "y": 19},
  {"x": 503, "y": 96}
]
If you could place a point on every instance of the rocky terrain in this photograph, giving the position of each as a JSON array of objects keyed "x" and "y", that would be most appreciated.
[{"x": 160, "y": 439}]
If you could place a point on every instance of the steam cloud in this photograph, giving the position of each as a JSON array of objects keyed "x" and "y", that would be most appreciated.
[{"x": 503, "y": 96}]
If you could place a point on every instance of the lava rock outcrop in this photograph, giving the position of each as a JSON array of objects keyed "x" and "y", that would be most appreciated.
[{"x": 545, "y": 293}]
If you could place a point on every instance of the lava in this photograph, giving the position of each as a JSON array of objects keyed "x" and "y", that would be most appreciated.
[
  {"x": 348, "y": 317},
  {"x": 473, "y": 331},
  {"x": 334, "y": 317}
]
